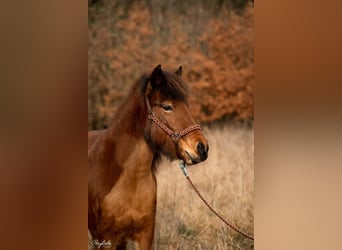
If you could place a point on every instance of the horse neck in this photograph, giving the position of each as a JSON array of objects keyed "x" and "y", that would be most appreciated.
[{"x": 126, "y": 134}]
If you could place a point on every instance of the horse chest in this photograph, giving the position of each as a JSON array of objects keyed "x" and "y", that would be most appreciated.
[{"x": 128, "y": 209}]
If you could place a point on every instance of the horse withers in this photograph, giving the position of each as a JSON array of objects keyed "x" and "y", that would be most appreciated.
[{"x": 153, "y": 120}]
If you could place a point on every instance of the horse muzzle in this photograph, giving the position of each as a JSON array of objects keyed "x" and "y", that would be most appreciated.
[{"x": 195, "y": 154}]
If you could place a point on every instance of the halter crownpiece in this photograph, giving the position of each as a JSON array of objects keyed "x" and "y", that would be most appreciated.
[{"x": 175, "y": 136}]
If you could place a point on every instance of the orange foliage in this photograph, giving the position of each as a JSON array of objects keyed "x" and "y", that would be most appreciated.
[{"x": 217, "y": 59}]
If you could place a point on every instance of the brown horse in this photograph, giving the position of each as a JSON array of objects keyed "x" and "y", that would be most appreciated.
[{"x": 122, "y": 159}]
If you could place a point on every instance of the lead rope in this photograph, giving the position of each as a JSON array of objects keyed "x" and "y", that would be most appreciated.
[{"x": 185, "y": 172}]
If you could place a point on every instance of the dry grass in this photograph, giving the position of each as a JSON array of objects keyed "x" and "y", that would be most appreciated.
[{"x": 226, "y": 180}]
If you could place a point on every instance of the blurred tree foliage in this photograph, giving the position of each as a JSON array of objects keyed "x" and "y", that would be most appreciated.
[{"x": 213, "y": 40}]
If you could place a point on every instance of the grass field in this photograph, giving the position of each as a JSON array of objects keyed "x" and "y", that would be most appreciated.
[{"x": 226, "y": 180}]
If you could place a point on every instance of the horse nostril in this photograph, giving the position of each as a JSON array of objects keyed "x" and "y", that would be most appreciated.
[{"x": 201, "y": 149}]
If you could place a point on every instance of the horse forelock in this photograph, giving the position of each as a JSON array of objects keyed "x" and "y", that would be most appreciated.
[{"x": 175, "y": 88}]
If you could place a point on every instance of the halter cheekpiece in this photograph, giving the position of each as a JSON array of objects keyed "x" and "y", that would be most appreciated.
[{"x": 175, "y": 136}]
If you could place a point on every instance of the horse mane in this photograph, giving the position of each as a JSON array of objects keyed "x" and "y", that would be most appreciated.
[
  {"x": 132, "y": 111},
  {"x": 175, "y": 88},
  {"x": 134, "y": 102}
]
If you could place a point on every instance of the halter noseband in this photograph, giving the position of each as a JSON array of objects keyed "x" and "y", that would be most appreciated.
[{"x": 175, "y": 136}]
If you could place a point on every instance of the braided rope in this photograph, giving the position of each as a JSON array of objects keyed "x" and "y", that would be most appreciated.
[
  {"x": 190, "y": 129},
  {"x": 152, "y": 117},
  {"x": 185, "y": 172},
  {"x": 174, "y": 135},
  {"x": 216, "y": 213}
]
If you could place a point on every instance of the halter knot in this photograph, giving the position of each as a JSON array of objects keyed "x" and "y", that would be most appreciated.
[{"x": 175, "y": 136}]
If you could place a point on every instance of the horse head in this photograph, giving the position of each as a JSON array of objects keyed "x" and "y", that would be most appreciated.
[{"x": 172, "y": 130}]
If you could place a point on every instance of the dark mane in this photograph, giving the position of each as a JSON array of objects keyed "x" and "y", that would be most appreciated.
[
  {"x": 175, "y": 88},
  {"x": 132, "y": 111}
]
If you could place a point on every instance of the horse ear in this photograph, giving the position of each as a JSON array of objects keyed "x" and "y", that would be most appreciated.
[
  {"x": 179, "y": 71},
  {"x": 157, "y": 76}
]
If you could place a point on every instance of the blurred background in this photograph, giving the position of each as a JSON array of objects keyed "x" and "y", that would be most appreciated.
[{"x": 214, "y": 42}]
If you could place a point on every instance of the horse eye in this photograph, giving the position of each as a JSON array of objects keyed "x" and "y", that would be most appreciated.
[{"x": 166, "y": 107}]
